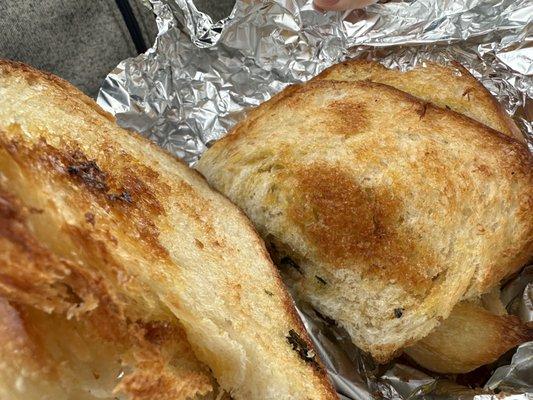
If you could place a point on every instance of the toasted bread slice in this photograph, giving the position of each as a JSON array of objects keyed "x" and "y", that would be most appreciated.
[
  {"x": 453, "y": 87},
  {"x": 469, "y": 338},
  {"x": 390, "y": 205},
  {"x": 168, "y": 248}
]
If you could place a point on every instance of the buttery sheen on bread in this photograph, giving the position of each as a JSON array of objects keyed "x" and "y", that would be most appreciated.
[
  {"x": 140, "y": 265},
  {"x": 394, "y": 208}
]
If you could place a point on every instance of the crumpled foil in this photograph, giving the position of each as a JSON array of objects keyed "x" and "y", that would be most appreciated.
[
  {"x": 356, "y": 377},
  {"x": 201, "y": 76}
]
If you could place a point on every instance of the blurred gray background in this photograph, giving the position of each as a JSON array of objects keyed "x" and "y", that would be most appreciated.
[{"x": 82, "y": 40}]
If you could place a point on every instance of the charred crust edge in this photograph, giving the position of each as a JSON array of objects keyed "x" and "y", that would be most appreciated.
[{"x": 301, "y": 347}]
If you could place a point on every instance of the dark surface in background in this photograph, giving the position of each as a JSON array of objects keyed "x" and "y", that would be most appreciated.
[
  {"x": 217, "y": 9},
  {"x": 79, "y": 40}
]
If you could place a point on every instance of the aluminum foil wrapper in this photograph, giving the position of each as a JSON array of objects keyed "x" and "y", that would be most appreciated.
[
  {"x": 356, "y": 376},
  {"x": 201, "y": 76}
]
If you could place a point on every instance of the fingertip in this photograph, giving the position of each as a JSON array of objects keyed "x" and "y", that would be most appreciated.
[
  {"x": 326, "y": 4},
  {"x": 341, "y": 5}
]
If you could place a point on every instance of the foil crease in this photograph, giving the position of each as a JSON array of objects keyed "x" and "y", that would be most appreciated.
[{"x": 200, "y": 77}]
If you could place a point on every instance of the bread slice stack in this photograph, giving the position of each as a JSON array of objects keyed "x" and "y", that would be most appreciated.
[
  {"x": 400, "y": 200},
  {"x": 123, "y": 274}
]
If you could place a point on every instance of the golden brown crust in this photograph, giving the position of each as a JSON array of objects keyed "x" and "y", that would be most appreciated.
[
  {"x": 122, "y": 192},
  {"x": 469, "y": 338},
  {"x": 353, "y": 226},
  {"x": 452, "y": 87},
  {"x": 32, "y": 76},
  {"x": 493, "y": 107},
  {"x": 349, "y": 117}
]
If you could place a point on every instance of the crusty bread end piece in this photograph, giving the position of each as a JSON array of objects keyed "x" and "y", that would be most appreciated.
[
  {"x": 469, "y": 338},
  {"x": 167, "y": 247},
  {"x": 445, "y": 86}
]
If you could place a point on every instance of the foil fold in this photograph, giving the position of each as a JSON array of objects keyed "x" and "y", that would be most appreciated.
[{"x": 201, "y": 76}]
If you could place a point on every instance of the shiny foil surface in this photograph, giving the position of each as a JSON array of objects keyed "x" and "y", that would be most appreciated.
[{"x": 201, "y": 76}]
